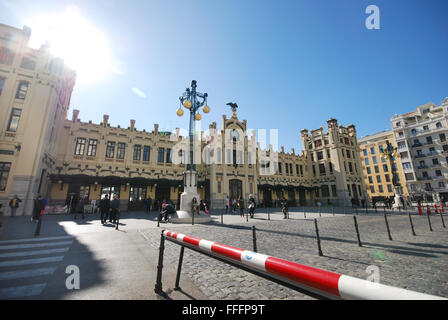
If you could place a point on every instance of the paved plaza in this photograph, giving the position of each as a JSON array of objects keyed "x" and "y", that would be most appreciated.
[{"x": 412, "y": 262}]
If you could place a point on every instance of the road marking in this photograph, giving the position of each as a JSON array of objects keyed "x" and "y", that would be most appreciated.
[
  {"x": 23, "y": 291},
  {"x": 30, "y": 261},
  {"x": 32, "y": 253},
  {"x": 36, "y": 245},
  {"x": 26, "y": 273},
  {"x": 35, "y": 239}
]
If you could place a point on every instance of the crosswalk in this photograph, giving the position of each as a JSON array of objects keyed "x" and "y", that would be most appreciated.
[{"x": 27, "y": 264}]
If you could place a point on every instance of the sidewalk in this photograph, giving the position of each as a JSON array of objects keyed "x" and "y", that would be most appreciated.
[{"x": 113, "y": 264}]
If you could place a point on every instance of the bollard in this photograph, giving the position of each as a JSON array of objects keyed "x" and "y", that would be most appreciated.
[
  {"x": 429, "y": 221},
  {"x": 304, "y": 213},
  {"x": 247, "y": 216},
  {"x": 332, "y": 210},
  {"x": 192, "y": 217},
  {"x": 412, "y": 225},
  {"x": 254, "y": 238},
  {"x": 319, "y": 212},
  {"x": 179, "y": 268},
  {"x": 318, "y": 238},
  {"x": 39, "y": 222},
  {"x": 158, "y": 287},
  {"x": 222, "y": 214},
  {"x": 387, "y": 225},
  {"x": 158, "y": 220},
  {"x": 441, "y": 208},
  {"x": 269, "y": 214},
  {"x": 357, "y": 231},
  {"x": 443, "y": 222},
  {"x": 420, "y": 210}
]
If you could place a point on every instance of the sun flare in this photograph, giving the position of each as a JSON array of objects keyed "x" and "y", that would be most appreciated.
[{"x": 83, "y": 48}]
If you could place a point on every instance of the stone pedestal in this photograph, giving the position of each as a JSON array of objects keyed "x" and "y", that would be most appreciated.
[
  {"x": 184, "y": 215},
  {"x": 397, "y": 201}
]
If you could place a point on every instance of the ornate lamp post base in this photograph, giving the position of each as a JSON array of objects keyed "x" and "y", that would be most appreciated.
[
  {"x": 184, "y": 215},
  {"x": 397, "y": 199}
]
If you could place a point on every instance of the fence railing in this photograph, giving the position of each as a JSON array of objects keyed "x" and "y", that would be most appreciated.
[{"x": 311, "y": 281}]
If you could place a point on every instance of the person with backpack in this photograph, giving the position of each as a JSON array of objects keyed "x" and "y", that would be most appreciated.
[
  {"x": 284, "y": 204},
  {"x": 39, "y": 207},
  {"x": 14, "y": 204}
]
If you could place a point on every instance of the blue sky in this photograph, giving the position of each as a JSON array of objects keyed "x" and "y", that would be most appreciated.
[{"x": 288, "y": 64}]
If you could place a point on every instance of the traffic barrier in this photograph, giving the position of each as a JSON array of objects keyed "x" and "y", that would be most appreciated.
[
  {"x": 420, "y": 210},
  {"x": 441, "y": 208},
  {"x": 313, "y": 281},
  {"x": 436, "y": 210}
]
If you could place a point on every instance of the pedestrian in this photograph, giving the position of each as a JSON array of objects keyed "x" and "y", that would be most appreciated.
[
  {"x": 234, "y": 204},
  {"x": 39, "y": 207},
  {"x": 104, "y": 208},
  {"x": 14, "y": 204},
  {"x": 194, "y": 206},
  {"x": 145, "y": 204},
  {"x": 241, "y": 206},
  {"x": 284, "y": 204},
  {"x": 149, "y": 204},
  {"x": 115, "y": 209},
  {"x": 79, "y": 209},
  {"x": 251, "y": 205}
]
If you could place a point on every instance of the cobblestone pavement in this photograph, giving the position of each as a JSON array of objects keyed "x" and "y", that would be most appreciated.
[{"x": 411, "y": 262}]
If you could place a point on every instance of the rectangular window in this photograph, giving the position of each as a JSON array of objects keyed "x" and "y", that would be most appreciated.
[
  {"x": 367, "y": 161},
  {"x": 429, "y": 140},
  {"x": 387, "y": 177},
  {"x": 91, "y": 149},
  {"x": 331, "y": 167},
  {"x": 14, "y": 119},
  {"x": 120, "y": 150},
  {"x": 377, "y": 170},
  {"x": 2, "y": 84},
  {"x": 320, "y": 155},
  {"x": 80, "y": 146},
  {"x": 328, "y": 154},
  {"x": 350, "y": 167},
  {"x": 137, "y": 152},
  {"x": 279, "y": 168},
  {"x": 333, "y": 190},
  {"x": 348, "y": 153},
  {"x": 369, "y": 171},
  {"x": 438, "y": 173},
  {"x": 146, "y": 153},
  {"x": 389, "y": 188},
  {"x": 372, "y": 150},
  {"x": 6, "y": 56},
  {"x": 28, "y": 63},
  {"x": 370, "y": 179},
  {"x": 380, "y": 189},
  {"x": 5, "y": 167},
  {"x": 385, "y": 168},
  {"x": 378, "y": 179},
  {"x": 168, "y": 156},
  {"x": 110, "y": 149},
  {"x": 161, "y": 155},
  {"x": 314, "y": 170},
  {"x": 286, "y": 169},
  {"x": 374, "y": 160},
  {"x": 219, "y": 186},
  {"x": 364, "y": 152},
  {"x": 441, "y": 136},
  {"x": 372, "y": 189},
  {"x": 22, "y": 89},
  {"x": 322, "y": 169}
]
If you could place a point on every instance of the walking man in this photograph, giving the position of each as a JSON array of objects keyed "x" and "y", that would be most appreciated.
[
  {"x": 14, "y": 204},
  {"x": 39, "y": 206},
  {"x": 251, "y": 205},
  {"x": 115, "y": 209},
  {"x": 241, "y": 206},
  {"x": 104, "y": 208}
]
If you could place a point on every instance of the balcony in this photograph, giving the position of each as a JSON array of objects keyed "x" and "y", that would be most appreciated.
[
  {"x": 422, "y": 167},
  {"x": 415, "y": 145},
  {"x": 420, "y": 155},
  {"x": 424, "y": 178}
]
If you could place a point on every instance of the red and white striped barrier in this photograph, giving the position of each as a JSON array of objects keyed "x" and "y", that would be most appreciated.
[{"x": 322, "y": 282}]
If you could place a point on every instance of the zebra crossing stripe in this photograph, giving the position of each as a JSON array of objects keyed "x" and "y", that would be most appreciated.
[
  {"x": 32, "y": 253},
  {"x": 26, "y": 273},
  {"x": 36, "y": 245},
  {"x": 35, "y": 239},
  {"x": 12, "y": 263},
  {"x": 22, "y": 291}
]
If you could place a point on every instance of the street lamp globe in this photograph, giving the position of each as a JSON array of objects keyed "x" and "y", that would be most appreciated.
[
  {"x": 180, "y": 112},
  {"x": 187, "y": 104},
  {"x": 198, "y": 117},
  {"x": 206, "y": 109}
]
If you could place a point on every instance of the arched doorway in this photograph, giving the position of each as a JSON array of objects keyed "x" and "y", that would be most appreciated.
[{"x": 235, "y": 188}]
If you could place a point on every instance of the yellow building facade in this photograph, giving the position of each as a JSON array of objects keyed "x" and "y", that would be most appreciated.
[{"x": 377, "y": 171}]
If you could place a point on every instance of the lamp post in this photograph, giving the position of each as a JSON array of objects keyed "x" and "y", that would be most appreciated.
[
  {"x": 193, "y": 101},
  {"x": 390, "y": 153}
]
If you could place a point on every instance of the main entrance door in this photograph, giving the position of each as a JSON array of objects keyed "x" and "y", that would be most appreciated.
[
  {"x": 235, "y": 189},
  {"x": 136, "y": 196}
]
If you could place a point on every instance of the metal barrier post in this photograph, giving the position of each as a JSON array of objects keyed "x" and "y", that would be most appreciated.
[
  {"x": 247, "y": 215},
  {"x": 318, "y": 238},
  {"x": 443, "y": 222},
  {"x": 39, "y": 222},
  {"x": 319, "y": 211},
  {"x": 357, "y": 231},
  {"x": 222, "y": 214},
  {"x": 254, "y": 238},
  {"x": 158, "y": 287},
  {"x": 304, "y": 213},
  {"x": 192, "y": 217},
  {"x": 269, "y": 214},
  {"x": 412, "y": 225},
  {"x": 332, "y": 210},
  {"x": 429, "y": 222},
  {"x": 387, "y": 225},
  {"x": 179, "y": 268}
]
